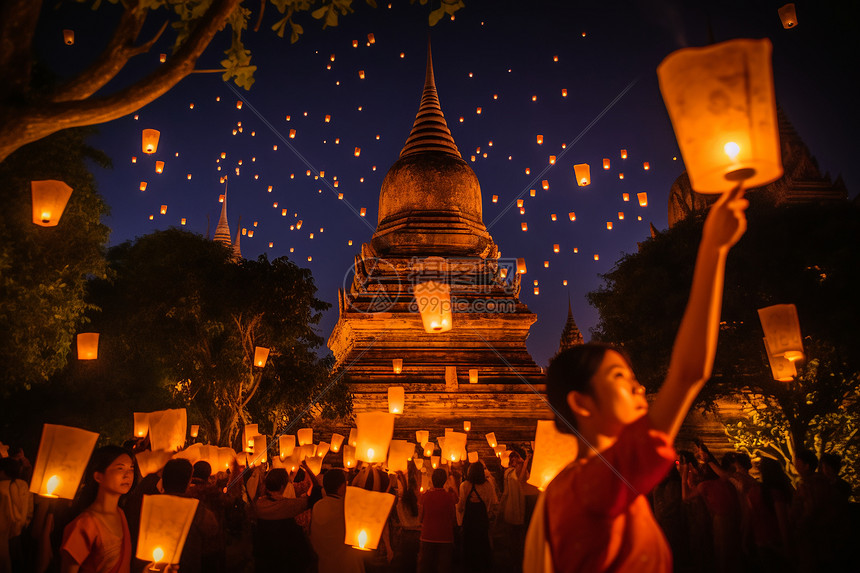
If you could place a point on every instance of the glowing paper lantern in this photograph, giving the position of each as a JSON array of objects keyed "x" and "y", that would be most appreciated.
[
  {"x": 643, "y": 199},
  {"x": 552, "y": 452},
  {"x": 306, "y": 436},
  {"x": 467, "y": 426},
  {"x": 646, "y": 166},
  {"x": 348, "y": 456},
  {"x": 261, "y": 354},
  {"x": 606, "y": 163},
  {"x": 88, "y": 345},
  {"x": 782, "y": 369},
  {"x": 491, "y": 439},
  {"x": 149, "y": 462},
  {"x": 195, "y": 430},
  {"x": 63, "y": 456},
  {"x": 787, "y": 15},
  {"x": 226, "y": 457},
  {"x": 524, "y": 226},
  {"x": 540, "y": 140},
  {"x": 623, "y": 154},
  {"x": 164, "y": 524},
  {"x": 396, "y": 398},
  {"x": 261, "y": 450},
  {"x": 399, "y": 454},
  {"x": 167, "y": 429},
  {"x": 248, "y": 434},
  {"x": 473, "y": 457},
  {"x": 422, "y": 437},
  {"x": 521, "y": 266},
  {"x": 499, "y": 449},
  {"x": 495, "y": 198},
  {"x": 583, "y": 174},
  {"x": 434, "y": 462},
  {"x": 397, "y": 363},
  {"x": 374, "y": 434},
  {"x": 286, "y": 445},
  {"x": 455, "y": 442},
  {"x": 545, "y": 185},
  {"x": 164, "y": 209},
  {"x": 69, "y": 36},
  {"x": 505, "y": 459},
  {"x": 141, "y": 424},
  {"x": 782, "y": 331},
  {"x": 365, "y": 514},
  {"x": 721, "y": 102},
  {"x": 315, "y": 465},
  {"x": 150, "y": 140},
  {"x": 49, "y": 201},
  {"x": 434, "y": 304},
  {"x": 473, "y": 375},
  {"x": 336, "y": 442},
  {"x": 353, "y": 437},
  {"x": 159, "y": 166}
]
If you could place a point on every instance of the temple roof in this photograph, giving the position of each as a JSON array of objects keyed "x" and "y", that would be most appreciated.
[
  {"x": 222, "y": 231},
  {"x": 571, "y": 335}
]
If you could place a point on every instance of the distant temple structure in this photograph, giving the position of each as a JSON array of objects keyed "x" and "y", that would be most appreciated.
[
  {"x": 222, "y": 232},
  {"x": 570, "y": 336},
  {"x": 430, "y": 226},
  {"x": 802, "y": 181}
]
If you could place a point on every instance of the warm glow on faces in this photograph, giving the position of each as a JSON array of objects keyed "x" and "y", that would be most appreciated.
[
  {"x": 617, "y": 398},
  {"x": 118, "y": 477},
  {"x": 732, "y": 149}
]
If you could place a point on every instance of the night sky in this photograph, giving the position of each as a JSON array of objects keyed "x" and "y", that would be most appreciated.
[{"x": 499, "y": 57}]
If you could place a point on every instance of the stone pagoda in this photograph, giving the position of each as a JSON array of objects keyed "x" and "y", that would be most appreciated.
[
  {"x": 430, "y": 227},
  {"x": 571, "y": 335}
]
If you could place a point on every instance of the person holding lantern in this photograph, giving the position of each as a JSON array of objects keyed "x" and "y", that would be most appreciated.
[{"x": 594, "y": 515}]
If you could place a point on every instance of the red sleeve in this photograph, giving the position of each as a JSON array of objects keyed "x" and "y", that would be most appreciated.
[
  {"x": 79, "y": 537},
  {"x": 609, "y": 482}
]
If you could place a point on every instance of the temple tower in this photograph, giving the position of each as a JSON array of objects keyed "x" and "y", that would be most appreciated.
[
  {"x": 430, "y": 226},
  {"x": 570, "y": 336}
]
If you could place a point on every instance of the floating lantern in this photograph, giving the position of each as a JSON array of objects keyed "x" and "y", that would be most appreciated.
[
  {"x": 164, "y": 524},
  {"x": 336, "y": 442},
  {"x": 782, "y": 369},
  {"x": 306, "y": 436},
  {"x": 583, "y": 174},
  {"x": 63, "y": 456},
  {"x": 505, "y": 458},
  {"x": 787, "y": 15},
  {"x": 150, "y": 140},
  {"x": 552, "y": 452},
  {"x": 398, "y": 457},
  {"x": 540, "y": 140},
  {"x": 524, "y": 226},
  {"x": 491, "y": 439},
  {"x": 286, "y": 445},
  {"x": 609, "y": 225},
  {"x": 545, "y": 183},
  {"x": 782, "y": 331},
  {"x": 473, "y": 375},
  {"x": 434, "y": 303},
  {"x": 521, "y": 266},
  {"x": 606, "y": 163},
  {"x": 623, "y": 154},
  {"x": 348, "y": 456},
  {"x": 357, "y": 151},
  {"x": 149, "y": 462},
  {"x": 434, "y": 462},
  {"x": 353, "y": 437},
  {"x": 141, "y": 424},
  {"x": 537, "y": 290},
  {"x": 473, "y": 457},
  {"x": 397, "y": 363},
  {"x": 563, "y": 92},
  {"x": 88, "y": 345},
  {"x": 363, "y": 212},
  {"x": 292, "y": 136},
  {"x": 315, "y": 465},
  {"x": 374, "y": 434},
  {"x": 520, "y": 203},
  {"x": 322, "y": 449},
  {"x": 555, "y": 248},
  {"x": 721, "y": 102},
  {"x": 596, "y": 257},
  {"x": 396, "y": 397},
  {"x": 248, "y": 434},
  {"x": 69, "y": 35},
  {"x": 429, "y": 448},
  {"x": 467, "y": 426},
  {"x": 422, "y": 437},
  {"x": 495, "y": 198},
  {"x": 620, "y": 215},
  {"x": 163, "y": 210},
  {"x": 261, "y": 353},
  {"x": 49, "y": 199},
  {"x": 194, "y": 431},
  {"x": 572, "y": 216},
  {"x": 365, "y": 514},
  {"x": 553, "y": 217},
  {"x": 361, "y": 74},
  {"x": 646, "y": 166},
  {"x": 167, "y": 429},
  {"x": 643, "y": 199},
  {"x": 625, "y": 197},
  {"x": 453, "y": 444},
  {"x": 260, "y": 449},
  {"x": 503, "y": 272}
]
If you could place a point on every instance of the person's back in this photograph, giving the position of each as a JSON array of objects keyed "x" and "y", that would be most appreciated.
[
  {"x": 438, "y": 518},
  {"x": 328, "y": 529}
]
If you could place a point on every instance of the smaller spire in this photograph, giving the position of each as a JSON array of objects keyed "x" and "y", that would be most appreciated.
[
  {"x": 237, "y": 250},
  {"x": 222, "y": 231},
  {"x": 571, "y": 335}
]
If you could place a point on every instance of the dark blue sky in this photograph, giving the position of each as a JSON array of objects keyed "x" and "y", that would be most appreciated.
[{"x": 503, "y": 49}]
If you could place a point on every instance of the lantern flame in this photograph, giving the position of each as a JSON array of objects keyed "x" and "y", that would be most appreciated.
[
  {"x": 157, "y": 554},
  {"x": 52, "y": 485},
  {"x": 732, "y": 149},
  {"x": 370, "y": 452},
  {"x": 362, "y": 539}
]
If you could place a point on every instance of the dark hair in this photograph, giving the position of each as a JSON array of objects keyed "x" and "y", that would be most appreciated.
[
  {"x": 439, "y": 477},
  {"x": 728, "y": 461},
  {"x": 833, "y": 461},
  {"x": 743, "y": 460},
  {"x": 332, "y": 480},
  {"x": 202, "y": 471},
  {"x": 808, "y": 457},
  {"x": 10, "y": 467},
  {"x": 100, "y": 461},
  {"x": 276, "y": 479},
  {"x": 476, "y": 474},
  {"x": 773, "y": 479},
  {"x": 176, "y": 476},
  {"x": 571, "y": 370}
]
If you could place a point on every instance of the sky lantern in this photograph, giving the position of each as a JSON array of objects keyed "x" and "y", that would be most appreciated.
[
  {"x": 141, "y": 424},
  {"x": 553, "y": 217},
  {"x": 454, "y": 443},
  {"x": 363, "y": 212},
  {"x": 643, "y": 199},
  {"x": 495, "y": 198},
  {"x": 545, "y": 185},
  {"x": 261, "y": 355},
  {"x": 336, "y": 442},
  {"x": 473, "y": 375},
  {"x": 167, "y": 429},
  {"x": 163, "y": 210},
  {"x": 583, "y": 174},
  {"x": 520, "y": 203},
  {"x": 608, "y": 225},
  {"x": 572, "y": 216},
  {"x": 623, "y": 154},
  {"x": 782, "y": 331},
  {"x": 491, "y": 439},
  {"x": 397, "y": 363},
  {"x": 540, "y": 139},
  {"x": 787, "y": 15},
  {"x": 133, "y": 159},
  {"x": 69, "y": 36},
  {"x": 721, "y": 102},
  {"x": 365, "y": 514},
  {"x": 434, "y": 303},
  {"x": 361, "y": 74},
  {"x": 524, "y": 226},
  {"x": 348, "y": 456},
  {"x": 239, "y": 104},
  {"x": 306, "y": 436},
  {"x": 564, "y": 92},
  {"x": 467, "y": 426},
  {"x": 396, "y": 398},
  {"x": 143, "y": 185},
  {"x": 292, "y": 134},
  {"x": 88, "y": 345},
  {"x": 555, "y": 248},
  {"x": 164, "y": 524},
  {"x": 422, "y": 437},
  {"x": 357, "y": 151},
  {"x": 248, "y": 434},
  {"x": 63, "y": 455},
  {"x": 353, "y": 437},
  {"x": 260, "y": 449},
  {"x": 521, "y": 266},
  {"x": 194, "y": 431},
  {"x": 182, "y": 221},
  {"x": 286, "y": 445},
  {"x": 625, "y": 197},
  {"x": 149, "y": 462},
  {"x": 150, "y": 140},
  {"x": 49, "y": 199},
  {"x": 322, "y": 450},
  {"x": 646, "y": 166},
  {"x": 375, "y": 430},
  {"x": 782, "y": 369},
  {"x": 596, "y": 257},
  {"x": 553, "y": 451},
  {"x": 606, "y": 163},
  {"x": 621, "y": 176},
  {"x": 552, "y": 159}
]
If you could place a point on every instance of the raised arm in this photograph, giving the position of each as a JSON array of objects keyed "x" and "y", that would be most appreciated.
[{"x": 696, "y": 341}]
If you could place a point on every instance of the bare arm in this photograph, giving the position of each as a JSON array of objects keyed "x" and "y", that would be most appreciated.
[{"x": 696, "y": 341}]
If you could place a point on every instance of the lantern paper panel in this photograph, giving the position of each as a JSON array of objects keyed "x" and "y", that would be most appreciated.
[
  {"x": 399, "y": 454},
  {"x": 336, "y": 442},
  {"x": 782, "y": 331},
  {"x": 261, "y": 354},
  {"x": 422, "y": 437},
  {"x": 226, "y": 457},
  {"x": 63, "y": 455},
  {"x": 782, "y": 369},
  {"x": 429, "y": 448},
  {"x": 721, "y": 101},
  {"x": 397, "y": 364},
  {"x": 788, "y": 16},
  {"x": 69, "y": 37},
  {"x": 49, "y": 198},
  {"x": 467, "y": 426},
  {"x": 353, "y": 437},
  {"x": 248, "y": 434},
  {"x": 396, "y": 399},
  {"x": 552, "y": 452},
  {"x": 167, "y": 429},
  {"x": 434, "y": 304},
  {"x": 88, "y": 345},
  {"x": 348, "y": 456},
  {"x": 260, "y": 450},
  {"x": 434, "y": 461},
  {"x": 286, "y": 445},
  {"x": 322, "y": 449},
  {"x": 195, "y": 430},
  {"x": 365, "y": 514},
  {"x": 150, "y": 140},
  {"x": 455, "y": 442},
  {"x": 141, "y": 424},
  {"x": 151, "y": 462},
  {"x": 643, "y": 199},
  {"x": 306, "y": 436},
  {"x": 164, "y": 524},
  {"x": 491, "y": 439},
  {"x": 375, "y": 430},
  {"x": 583, "y": 174},
  {"x": 315, "y": 465}
]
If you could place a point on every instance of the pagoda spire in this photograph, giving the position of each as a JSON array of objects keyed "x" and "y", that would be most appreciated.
[
  {"x": 222, "y": 231},
  {"x": 237, "y": 249},
  {"x": 570, "y": 336},
  {"x": 430, "y": 131}
]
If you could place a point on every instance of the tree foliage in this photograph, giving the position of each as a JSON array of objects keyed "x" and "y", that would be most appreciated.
[
  {"x": 28, "y": 114},
  {"x": 44, "y": 270},
  {"x": 807, "y": 255}
]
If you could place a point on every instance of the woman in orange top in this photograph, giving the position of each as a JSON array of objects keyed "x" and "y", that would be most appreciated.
[{"x": 594, "y": 515}]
